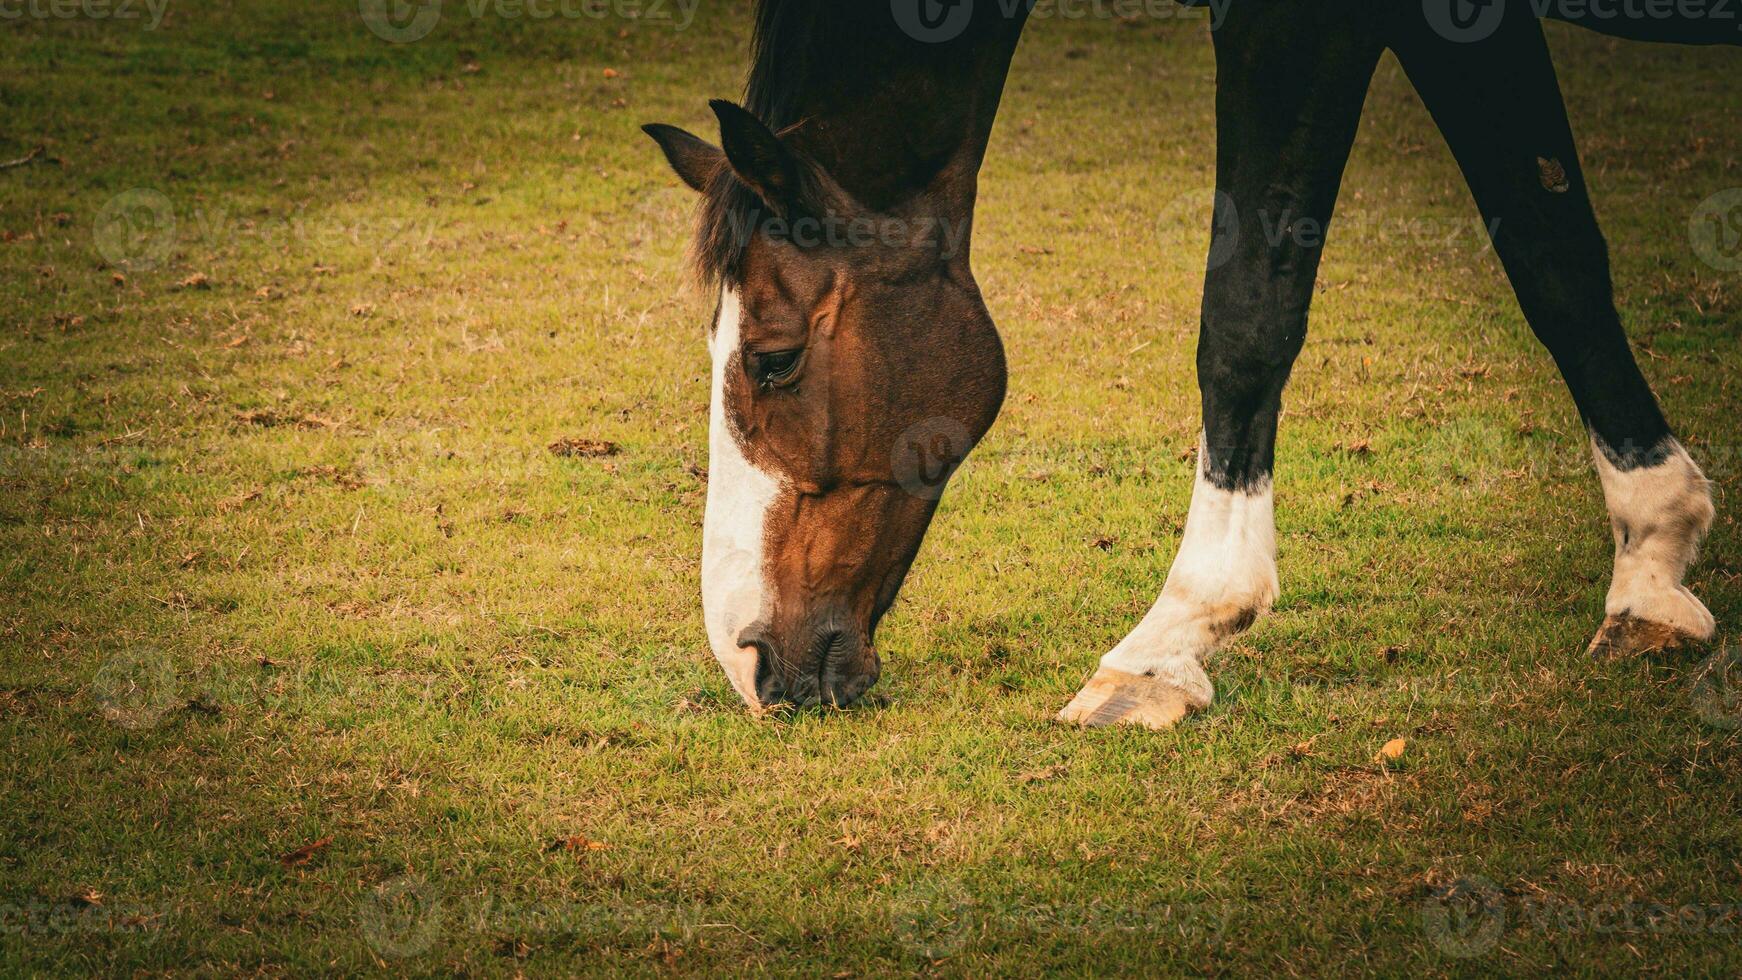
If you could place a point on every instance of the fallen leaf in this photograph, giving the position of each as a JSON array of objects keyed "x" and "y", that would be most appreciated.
[
  {"x": 1393, "y": 749},
  {"x": 1042, "y": 775},
  {"x": 301, "y": 855},
  {"x": 571, "y": 447},
  {"x": 239, "y": 500},
  {"x": 576, "y": 845},
  {"x": 344, "y": 480},
  {"x": 610, "y": 73},
  {"x": 318, "y": 422},
  {"x": 198, "y": 280},
  {"x": 265, "y": 418}
]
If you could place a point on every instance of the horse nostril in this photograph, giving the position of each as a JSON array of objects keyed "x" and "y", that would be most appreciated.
[
  {"x": 770, "y": 689},
  {"x": 849, "y": 670}
]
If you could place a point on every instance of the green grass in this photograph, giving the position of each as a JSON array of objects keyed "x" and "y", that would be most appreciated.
[{"x": 283, "y": 557}]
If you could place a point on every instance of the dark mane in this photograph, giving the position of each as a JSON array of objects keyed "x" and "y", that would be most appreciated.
[{"x": 782, "y": 52}]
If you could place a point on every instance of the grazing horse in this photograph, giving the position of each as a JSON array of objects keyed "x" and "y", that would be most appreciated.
[{"x": 855, "y": 364}]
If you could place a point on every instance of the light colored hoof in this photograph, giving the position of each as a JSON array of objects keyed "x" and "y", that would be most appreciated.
[
  {"x": 1629, "y": 636},
  {"x": 1114, "y": 697}
]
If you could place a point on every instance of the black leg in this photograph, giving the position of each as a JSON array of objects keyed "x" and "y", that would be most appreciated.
[
  {"x": 1291, "y": 80},
  {"x": 1499, "y": 105}
]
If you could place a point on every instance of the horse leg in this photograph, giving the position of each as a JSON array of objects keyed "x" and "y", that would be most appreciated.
[
  {"x": 1499, "y": 105},
  {"x": 1291, "y": 82}
]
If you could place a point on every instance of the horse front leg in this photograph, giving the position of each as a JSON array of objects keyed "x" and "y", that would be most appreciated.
[
  {"x": 1500, "y": 108},
  {"x": 1291, "y": 82}
]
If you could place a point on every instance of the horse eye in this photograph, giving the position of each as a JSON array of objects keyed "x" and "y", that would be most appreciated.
[{"x": 774, "y": 367}]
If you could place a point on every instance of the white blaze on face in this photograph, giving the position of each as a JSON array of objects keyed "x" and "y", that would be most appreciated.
[
  {"x": 1659, "y": 514},
  {"x": 734, "y": 592},
  {"x": 1223, "y": 577}
]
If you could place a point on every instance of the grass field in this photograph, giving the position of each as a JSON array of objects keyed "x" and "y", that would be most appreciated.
[{"x": 313, "y": 658}]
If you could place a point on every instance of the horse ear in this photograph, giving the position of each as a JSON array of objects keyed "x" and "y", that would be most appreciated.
[
  {"x": 694, "y": 159},
  {"x": 760, "y": 159}
]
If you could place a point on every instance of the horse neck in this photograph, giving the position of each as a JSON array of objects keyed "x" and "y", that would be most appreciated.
[{"x": 893, "y": 119}]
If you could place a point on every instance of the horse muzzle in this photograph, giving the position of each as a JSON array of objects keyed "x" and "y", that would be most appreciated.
[{"x": 831, "y": 665}]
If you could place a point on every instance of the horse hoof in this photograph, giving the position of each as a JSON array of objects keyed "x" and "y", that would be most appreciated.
[
  {"x": 1630, "y": 636},
  {"x": 1114, "y": 697}
]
